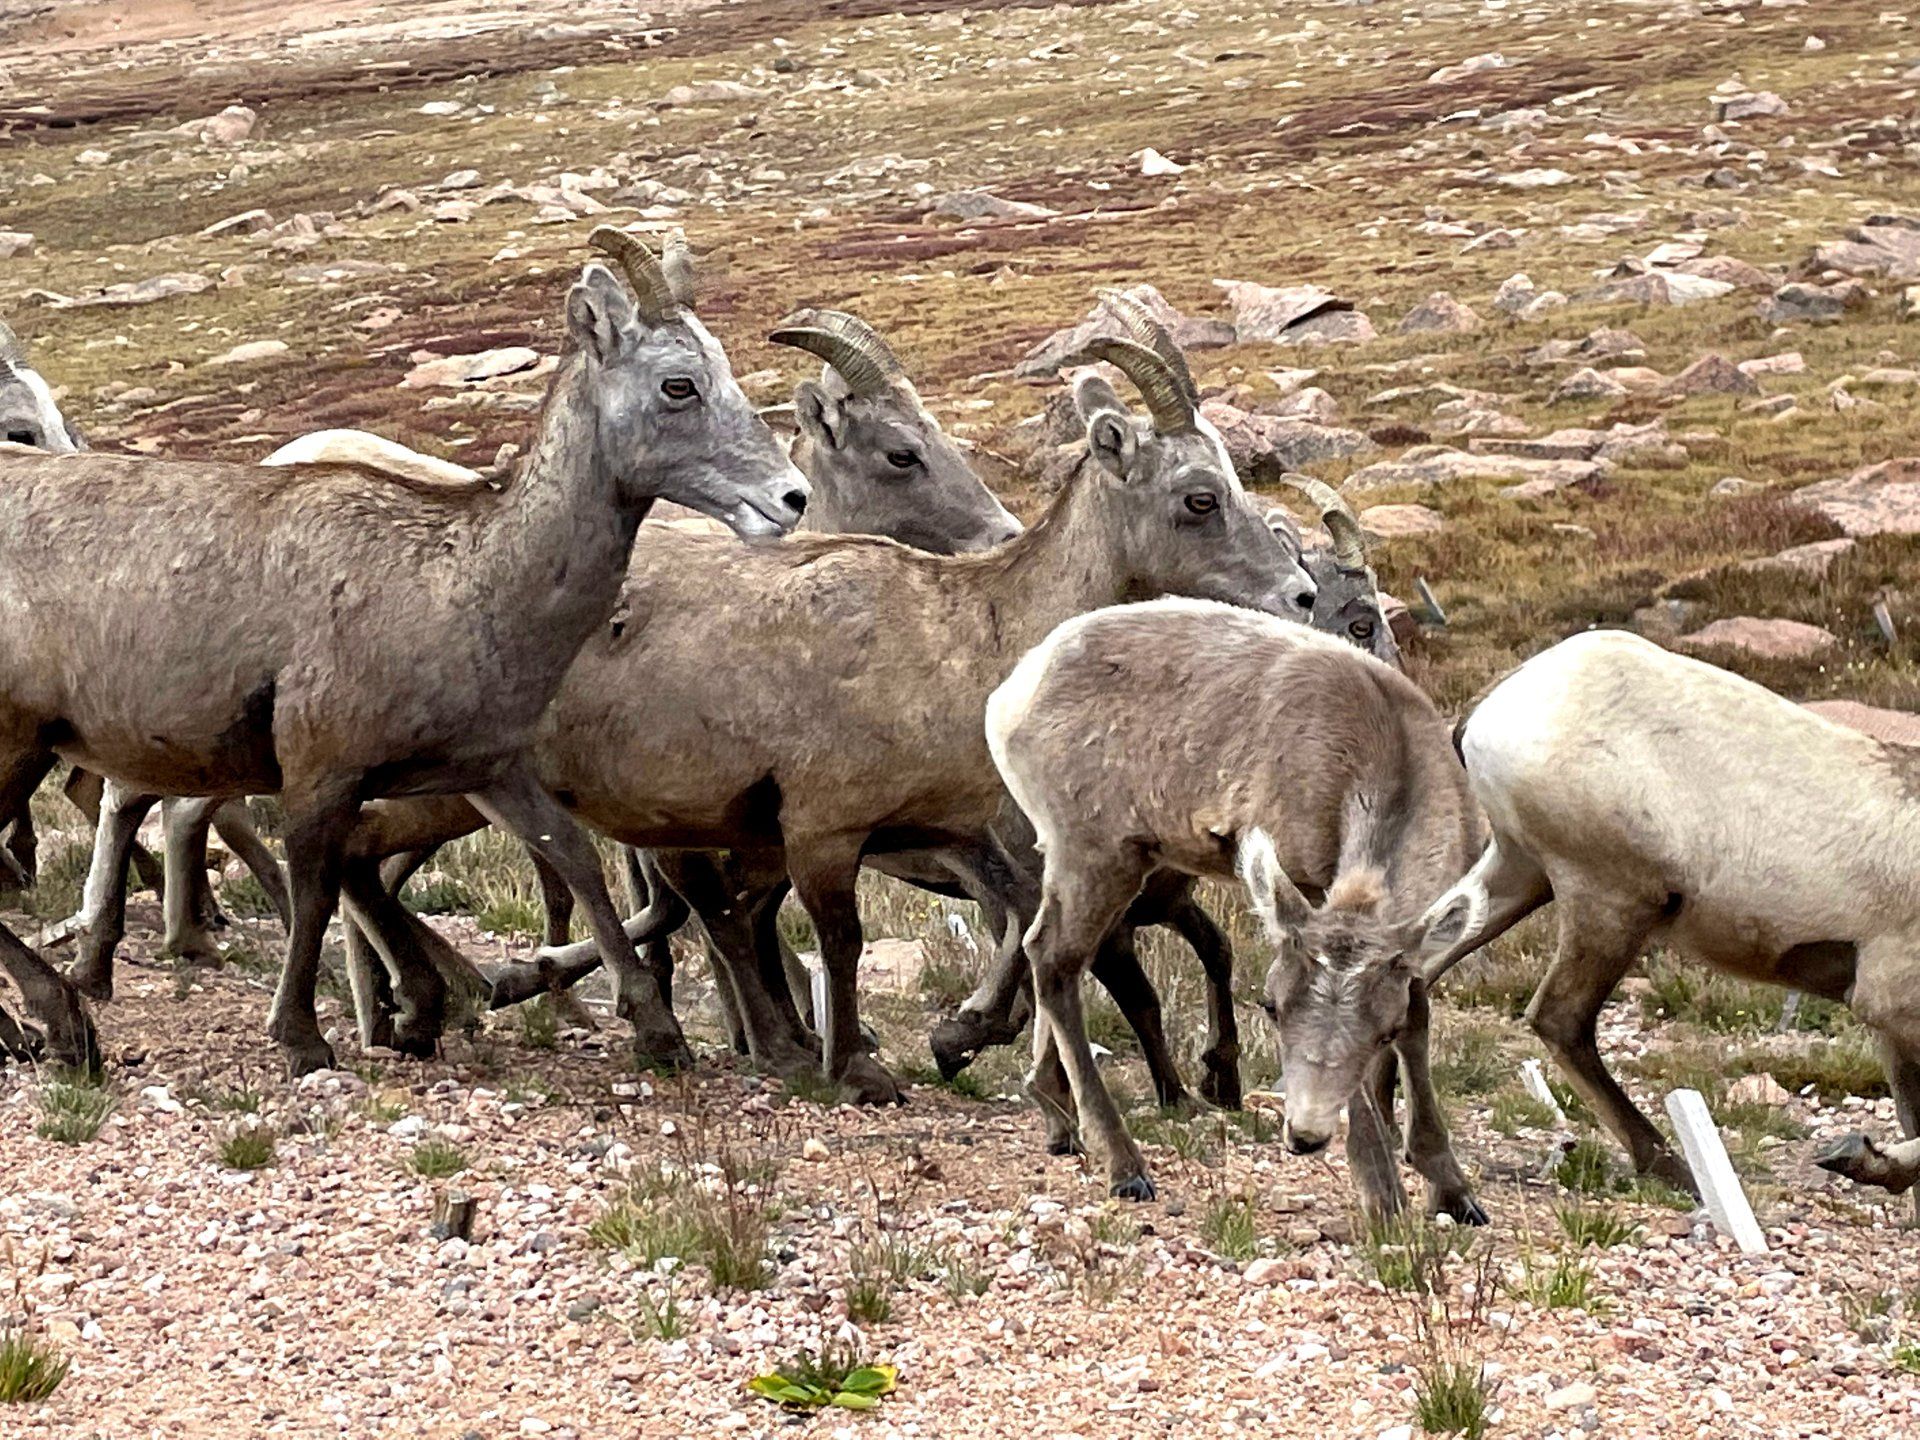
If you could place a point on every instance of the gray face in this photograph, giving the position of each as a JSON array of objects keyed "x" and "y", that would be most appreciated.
[
  {"x": 671, "y": 421},
  {"x": 881, "y": 465},
  {"x": 1190, "y": 528},
  {"x": 28, "y": 415},
  {"x": 1348, "y": 605},
  {"x": 1337, "y": 994}
]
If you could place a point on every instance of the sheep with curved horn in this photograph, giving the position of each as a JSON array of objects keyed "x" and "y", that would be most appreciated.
[{"x": 1348, "y": 600}]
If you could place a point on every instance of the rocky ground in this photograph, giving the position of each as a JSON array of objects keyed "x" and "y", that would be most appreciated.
[{"x": 1600, "y": 311}]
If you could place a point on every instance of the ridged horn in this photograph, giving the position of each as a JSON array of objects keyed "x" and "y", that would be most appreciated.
[
  {"x": 1143, "y": 327},
  {"x": 1166, "y": 399},
  {"x": 676, "y": 262},
  {"x": 1349, "y": 543},
  {"x": 651, "y": 290},
  {"x": 847, "y": 343}
]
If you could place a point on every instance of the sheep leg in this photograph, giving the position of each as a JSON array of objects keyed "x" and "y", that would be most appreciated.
[
  {"x": 187, "y": 903},
  {"x": 1116, "y": 966},
  {"x": 20, "y": 856},
  {"x": 993, "y": 1014},
  {"x": 1079, "y": 907},
  {"x": 379, "y": 917},
  {"x": 1502, "y": 889},
  {"x": 1429, "y": 1147},
  {"x": 825, "y": 870},
  {"x": 517, "y": 803},
  {"x": 1600, "y": 938},
  {"x": 52, "y": 1004},
  {"x": 556, "y": 900},
  {"x": 778, "y": 967},
  {"x": 103, "y": 905},
  {"x": 1370, "y": 1159},
  {"x": 235, "y": 828},
  {"x": 319, "y": 820},
  {"x": 86, "y": 789},
  {"x": 1886, "y": 1004},
  {"x": 1221, "y": 1059}
]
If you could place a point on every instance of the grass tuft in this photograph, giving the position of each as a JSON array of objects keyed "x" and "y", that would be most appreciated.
[
  {"x": 1231, "y": 1227},
  {"x": 1586, "y": 1168},
  {"x": 1452, "y": 1397},
  {"x": 1564, "y": 1283},
  {"x": 251, "y": 1147},
  {"x": 1593, "y": 1225},
  {"x": 436, "y": 1160},
  {"x": 74, "y": 1104},
  {"x": 30, "y": 1369}
]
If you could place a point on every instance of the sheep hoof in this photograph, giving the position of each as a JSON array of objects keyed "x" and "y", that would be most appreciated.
[
  {"x": 1857, "y": 1158},
  {"x": 1462, "y": 1209},
  {"x": 1065, "y": 1145},
  {"x": 1221, "y": 1087},
  {"x": 1134, "y": 1187},
  {"x": 306, "y": 1055},
  {"x": 867, "y": 1082}
]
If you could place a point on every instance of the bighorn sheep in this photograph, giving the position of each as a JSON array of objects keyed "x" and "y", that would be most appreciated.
[
  {"x": 1657, "y": 798},
  {"x": 837, "y": 713},
  {"x": 1231, "y": 739},
  {"x": 1347, "y": 602},
  {"x": 414, "y": 635},
  {"x": 28, "y": 414}
]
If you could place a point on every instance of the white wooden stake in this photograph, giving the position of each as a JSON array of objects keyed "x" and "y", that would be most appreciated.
[
  {"x": 1535, "y": 1079},
  {"x": 1713, "y": 1171},
  {"x": 818, "y": 975}
]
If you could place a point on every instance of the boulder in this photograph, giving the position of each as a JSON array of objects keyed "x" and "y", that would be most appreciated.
[
  {"x": 968, "y": 205},
  {"x": 709, "y": 92},
  {"x": 136, "y": 292},
  {"x": 229, "y": 127},
  {"x": 1659, "y": 287},
  {"x": 1539, "y": 178},
  {"x": 1587, "y": 384},
  {"x": 1737, "y": 273},
  {"x": 1439, "y": 314},
  {"x": 247, "y": 222},
  {"x": 1881, "y": 499},
  {"x": 1295, "y": 444},
  {"x": 251, "y": 351},
  {"x": 1761, "y": 638},
  {"x": 1310, "y": 403},
  {"x": 1811, "y": 561},
  {"x": 1516, "y": 292},
  {"x": 1896, "y": 727},
  {"x": 1885, "y": 245},
  {"x": 1276, "y": 315},
  {"x": 432, "y": 370},
  {"x": 1391, "y": 522},
  {"x": 1057, "y": 349},
  {"x": 1799, "y": 303},
  {"x": 1432, "y": 465},
  {"x": 1472, "y": 65},
  {"x": 15, "y": 243},
  {"x": 1712, "y": 375},
  {"x": 1751, "y": 106},
  {"x": 1153, "y": 163}
]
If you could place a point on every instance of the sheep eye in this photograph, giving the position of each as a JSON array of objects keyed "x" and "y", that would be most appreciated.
[
  {"x": 902, "y": 459},
  {"x": 1202, "y": 503},
  {"x": 679, "y": 388},
  {"x": 1361, "y": 629}
]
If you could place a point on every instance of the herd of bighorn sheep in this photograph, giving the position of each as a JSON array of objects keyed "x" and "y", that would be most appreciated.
[{"x": 1068, "y": 724}]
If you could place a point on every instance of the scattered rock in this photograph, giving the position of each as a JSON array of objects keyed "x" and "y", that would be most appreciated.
[
  {"x": 1734, "y": 485},
  {"x": 1713, "y": 375},
  {"x": 1896, "y": 727},
  {"x": 1803, "y": 304},
  {"x": 1311, "y": 403},
  {"x": 1811, "y": 561},
  {"x": 134, "y": 292},
  {"x": 1291, "y": 314},
  {"x": 465, "y": 369},
  {"x": 1885, "y": 245},
  {"x": 1515, "y": 294},
  {"x": 1737, "y": 273},
  {"x": 1265, "y": 1271},
  {"x": 1761, "y": 1089},
  {"x": 708, "y": 92},
  {"x": 1057, "y": 349},
  {"x": 252, "y": 350},
  {"x": 229, "y": 127},
  {"x": 1587, "y": 384},
  {"x": 815, "y": 1149},
  {"x": 1537, "y": 179},
  {"x": 1441, "y": 314},
  {"x": 1790, "y": 363},
  {"x": 1576, "y": 1396},
  {"x": 1659, "y": 287},
  {"x": 247, "y": 222},
  {"x": 15, "y": 244},
  {"x": 983, "y": 205},
  {"x": 1881, "y": 499},
  {"x": 1295, "y": 444},
  {"x": 1473, "y": 65},
  {"x": 1152, "y": 162},
  {"x": 1747, "y": 106},
  {"x": 1429, "y": 465},
  {"x": 1762, "y": 638},
  {"x": 1390, "y": 522}
]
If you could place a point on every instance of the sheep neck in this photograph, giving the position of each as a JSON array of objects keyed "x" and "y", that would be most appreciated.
[
  {"x": 1068, "y": 563},
  {"x": 549, "y": 564}
]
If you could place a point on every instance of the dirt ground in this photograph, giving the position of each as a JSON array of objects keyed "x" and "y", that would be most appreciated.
[{"x": 424, "y": 177}]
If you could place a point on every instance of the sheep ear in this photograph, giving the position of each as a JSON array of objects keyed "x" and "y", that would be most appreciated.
[
  {"x": 1278, "y": 902},
  {"x": 818, "y": 414},
  {"x": 1110, "y": 433},
  {"x": 600, "y": 314}
]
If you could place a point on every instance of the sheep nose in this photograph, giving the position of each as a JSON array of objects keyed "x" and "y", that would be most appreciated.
[
  {"x": 1302, "y": 1142},
  {"x": 796, "y": 501},
  {"x": 1305, "y": 599}
]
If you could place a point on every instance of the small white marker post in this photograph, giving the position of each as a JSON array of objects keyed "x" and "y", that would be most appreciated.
[
  {"x": 817, "y": 974},
  {"x": 1535, "y": 1079},
  {"x": 1713, "y": 1171}
]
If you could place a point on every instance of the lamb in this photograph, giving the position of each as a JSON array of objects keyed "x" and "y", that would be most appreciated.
[
  {"x": 414, "y": 635},
  {"x": 1655, "y": 798},
  {"x": 1236, "y": 741},
  {"x": 837, "y": 712}
]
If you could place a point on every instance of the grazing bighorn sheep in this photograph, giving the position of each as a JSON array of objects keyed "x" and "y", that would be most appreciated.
[
  {"x": 1231, "y": 739},
  {"x": 1656, "y": 798},
  {"x": 1347, "y": 602},
  {"x": 837, "y": 713},
  {"x": 414, "y": 635}
]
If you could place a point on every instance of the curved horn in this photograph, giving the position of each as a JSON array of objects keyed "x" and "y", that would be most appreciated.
[
  {"x": 651, "y": 290},
  {"x": 1143, "y": 327},
  {"x": 676, "y": 262},
  {"x": 1349, "y": 543},
  {"x": 1166, "y": 400},
  {"x": 12, "y": 352},
  {"x": 847, "y": 343}
]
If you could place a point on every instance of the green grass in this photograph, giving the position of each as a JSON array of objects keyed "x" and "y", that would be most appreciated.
[
  {"x": 869, "y": 1300},
  {"x": 436, "y": 1160},
  {"x": 1836, "y": 1067},
  {"x": 1558, "y": 1282},
  {"x": 251, "y": 1147},
  {"x": 1905, "y": 1357},
  {"x": 1679, "y": 990},
  {"x": 660, "y": 1319},
  {"x": 1593, "y": 1225},
  {"x": 810, "y": 1087},
  {"x": 246, "y": 897},
  {"x": 74, "y": 1105},
  {"x": 1409, "y": 1252},
  {"x": 1452, "y": 1397},
  {"x": 1515, "y": 1110},
  {"x": 1470, "y": 1059},
  {"x": 962, "y": 1278},
  {"x": 63, "y": 874},
  {"x": 539, "y": 1023},
  {"x": 1231, "y": 1227},
  {"x": 662, "y": 1217},
  {"x": 1587, "y": 1168},
  {"x": 30, "y": 1369}
]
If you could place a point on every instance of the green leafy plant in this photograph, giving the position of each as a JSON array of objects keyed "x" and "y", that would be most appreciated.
[
  {"x": 437, "y": 1160},
  {"x": 1586, "y": 1168},
  {"x": 251, "y": 1147},
  {"x": 30, "y": 1369},
  {"x": 539, "y": 1023},
  {"x": 74, "y": 1104},
  {"x": 830, "y": 1378},
  {"x": 1906, "y": 1356}
]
